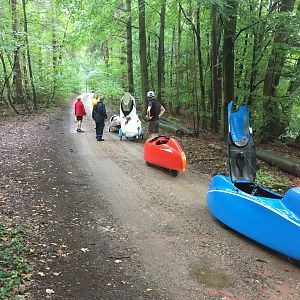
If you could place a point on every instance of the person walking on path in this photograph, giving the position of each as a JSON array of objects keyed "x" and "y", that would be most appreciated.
[
  {"x": 95, "y": 100},
  {"x": 79, "y": 113},
  {"x": 154, "y": 112},
  {"x": 99, "y": 115}
]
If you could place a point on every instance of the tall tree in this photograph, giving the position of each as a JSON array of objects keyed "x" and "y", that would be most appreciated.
[
  {"x": 271, "y": 121},
  {"x": 161, "y": 54},
  {"x": 143, "y": 54},
  {"x": 129, "y": 48},
  {"x": 19, "y": 98},
  {"x": 257, "y": 49},
  {"x": 28, "y": 55},
  {"x": 178, "y": 62},
  {"x": 229, "y": 25},
  {"x": 214, "y": 70},
  {"x": 200, "y": 66}
]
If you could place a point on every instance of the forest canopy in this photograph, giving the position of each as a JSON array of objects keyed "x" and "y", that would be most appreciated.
[{"x": 196, "y": 55}]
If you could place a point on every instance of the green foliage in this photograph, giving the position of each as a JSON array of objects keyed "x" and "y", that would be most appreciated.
[
  {"x": 294, "y": 125},
  {"x": 13, "y": 267},
  {"x": 79, "y": 46}
]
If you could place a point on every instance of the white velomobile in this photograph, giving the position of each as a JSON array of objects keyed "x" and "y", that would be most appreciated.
[
  {"x": 114, "y": 123},
  {"x": 131, "y": 126}
]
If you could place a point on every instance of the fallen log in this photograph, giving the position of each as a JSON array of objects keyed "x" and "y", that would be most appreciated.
[
  {"x": 171, "y": 123},
  {"x": 169, "y": 127},
  {"x": 289, "y": 165}
]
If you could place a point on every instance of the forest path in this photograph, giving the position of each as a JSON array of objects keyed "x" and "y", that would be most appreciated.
[
  {"x": 109, "y": 227},
  {"x": 184, "y": 253}
]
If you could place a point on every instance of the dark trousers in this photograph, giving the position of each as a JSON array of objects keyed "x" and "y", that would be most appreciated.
[{"x": 99, "y": 129}]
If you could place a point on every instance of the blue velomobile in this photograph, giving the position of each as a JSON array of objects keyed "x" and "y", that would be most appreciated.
[{"x": 268, "y": 218}]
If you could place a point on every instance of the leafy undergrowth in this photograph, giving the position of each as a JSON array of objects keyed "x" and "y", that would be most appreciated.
[
  {"x": 279, "y": 183},
  {"x": 14, "y": 270}
]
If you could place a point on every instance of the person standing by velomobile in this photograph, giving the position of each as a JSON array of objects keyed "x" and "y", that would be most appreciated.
[
  {"x": 99, "y": 115},
  {"x": 154, "y": 112},
  {"x": 79, "y": 113}
]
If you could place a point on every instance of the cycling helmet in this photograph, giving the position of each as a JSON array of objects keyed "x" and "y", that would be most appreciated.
[{"x": 150, "y": 94}]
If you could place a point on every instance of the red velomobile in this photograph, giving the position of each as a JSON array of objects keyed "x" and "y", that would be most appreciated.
[{"x": 165, "y": 152}]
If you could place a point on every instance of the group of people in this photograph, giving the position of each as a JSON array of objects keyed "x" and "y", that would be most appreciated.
[
  {"x": 154, "y": 112},
  {"x": 99, "y": 115}
]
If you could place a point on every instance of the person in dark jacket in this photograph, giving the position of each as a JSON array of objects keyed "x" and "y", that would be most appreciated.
[{"x": 99, "y": 115}]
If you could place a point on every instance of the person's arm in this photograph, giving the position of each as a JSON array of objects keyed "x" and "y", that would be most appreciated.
[
  {"x": 162, "y": 111},
  {"x": 148, "y": 110}
]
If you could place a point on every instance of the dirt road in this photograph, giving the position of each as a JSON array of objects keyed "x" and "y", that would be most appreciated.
[{"x": 114, "y": 228}]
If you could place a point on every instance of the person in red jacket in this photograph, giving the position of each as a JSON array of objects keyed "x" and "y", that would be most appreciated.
[{"x": 79, "y": 113}]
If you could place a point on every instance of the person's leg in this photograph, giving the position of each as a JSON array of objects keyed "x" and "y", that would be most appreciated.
[
  {"x": 156, "y": 128},
  {"x": 79, "y": 120},
  {"x": 98, "y": 136},
  {"x": 78, "y": 124},
  {"x": 151, "y": 130},
  {"x": 101, "y": 127}
]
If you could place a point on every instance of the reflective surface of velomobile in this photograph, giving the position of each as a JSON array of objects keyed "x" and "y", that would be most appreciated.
[
  {"x": 131, "y": 126},
  {"x": 165, "y": 152},
  {"x": 269, "y": 218}
]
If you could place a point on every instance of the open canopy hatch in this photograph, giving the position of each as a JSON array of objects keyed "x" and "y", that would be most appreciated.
[{"x": 241, "y": 147}]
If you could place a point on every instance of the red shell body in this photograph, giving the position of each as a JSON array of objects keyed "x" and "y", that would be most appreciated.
[{"x": 165, "y": 152}]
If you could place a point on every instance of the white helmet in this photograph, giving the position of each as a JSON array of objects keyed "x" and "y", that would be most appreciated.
[{"x": 150, "y": 94}]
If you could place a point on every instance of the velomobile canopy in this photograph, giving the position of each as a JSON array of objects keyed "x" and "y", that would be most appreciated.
[
  {"x": 127, "y": 104},
  {"x": 241, "y": 147}
]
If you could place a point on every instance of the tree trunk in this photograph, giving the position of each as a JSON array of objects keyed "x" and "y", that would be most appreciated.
[
  {"x": 129, "y": 49},
  {"x": 295, "y": 82},
  {"x": 242, "y": 56},
  {"x": 143, "y": 54},
  {"x": 214, "y": 71},
  {"x": 229, "y": 24},
  {"x": 28, "y": 56},
  {"x": 161, "y": 54},
  {"x": 195, "y": 88},
  {"x": 200, "y": 67},
  {"x": 54, "y": 56},
  {"x": 151, "y": 83},
  {"x": 178, "y": 64},
  {"x": 19, "y": 98},
  {"x": 271, "y": 119},
  {"x": 6, "y": 78}
]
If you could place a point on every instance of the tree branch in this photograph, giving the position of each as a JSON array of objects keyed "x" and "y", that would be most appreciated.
[
  {"x": 189, "y": 20},
  {"x": 245, "y": 28},
  {"x": 124, "y": 22}
]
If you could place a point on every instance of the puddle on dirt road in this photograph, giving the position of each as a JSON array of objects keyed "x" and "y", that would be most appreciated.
[{"x": 212, "y": 278}]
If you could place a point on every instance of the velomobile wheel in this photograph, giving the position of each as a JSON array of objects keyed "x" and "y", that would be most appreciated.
[
  {"x": 174, "y": 173},
  {"x": 147, "y": 163}
]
